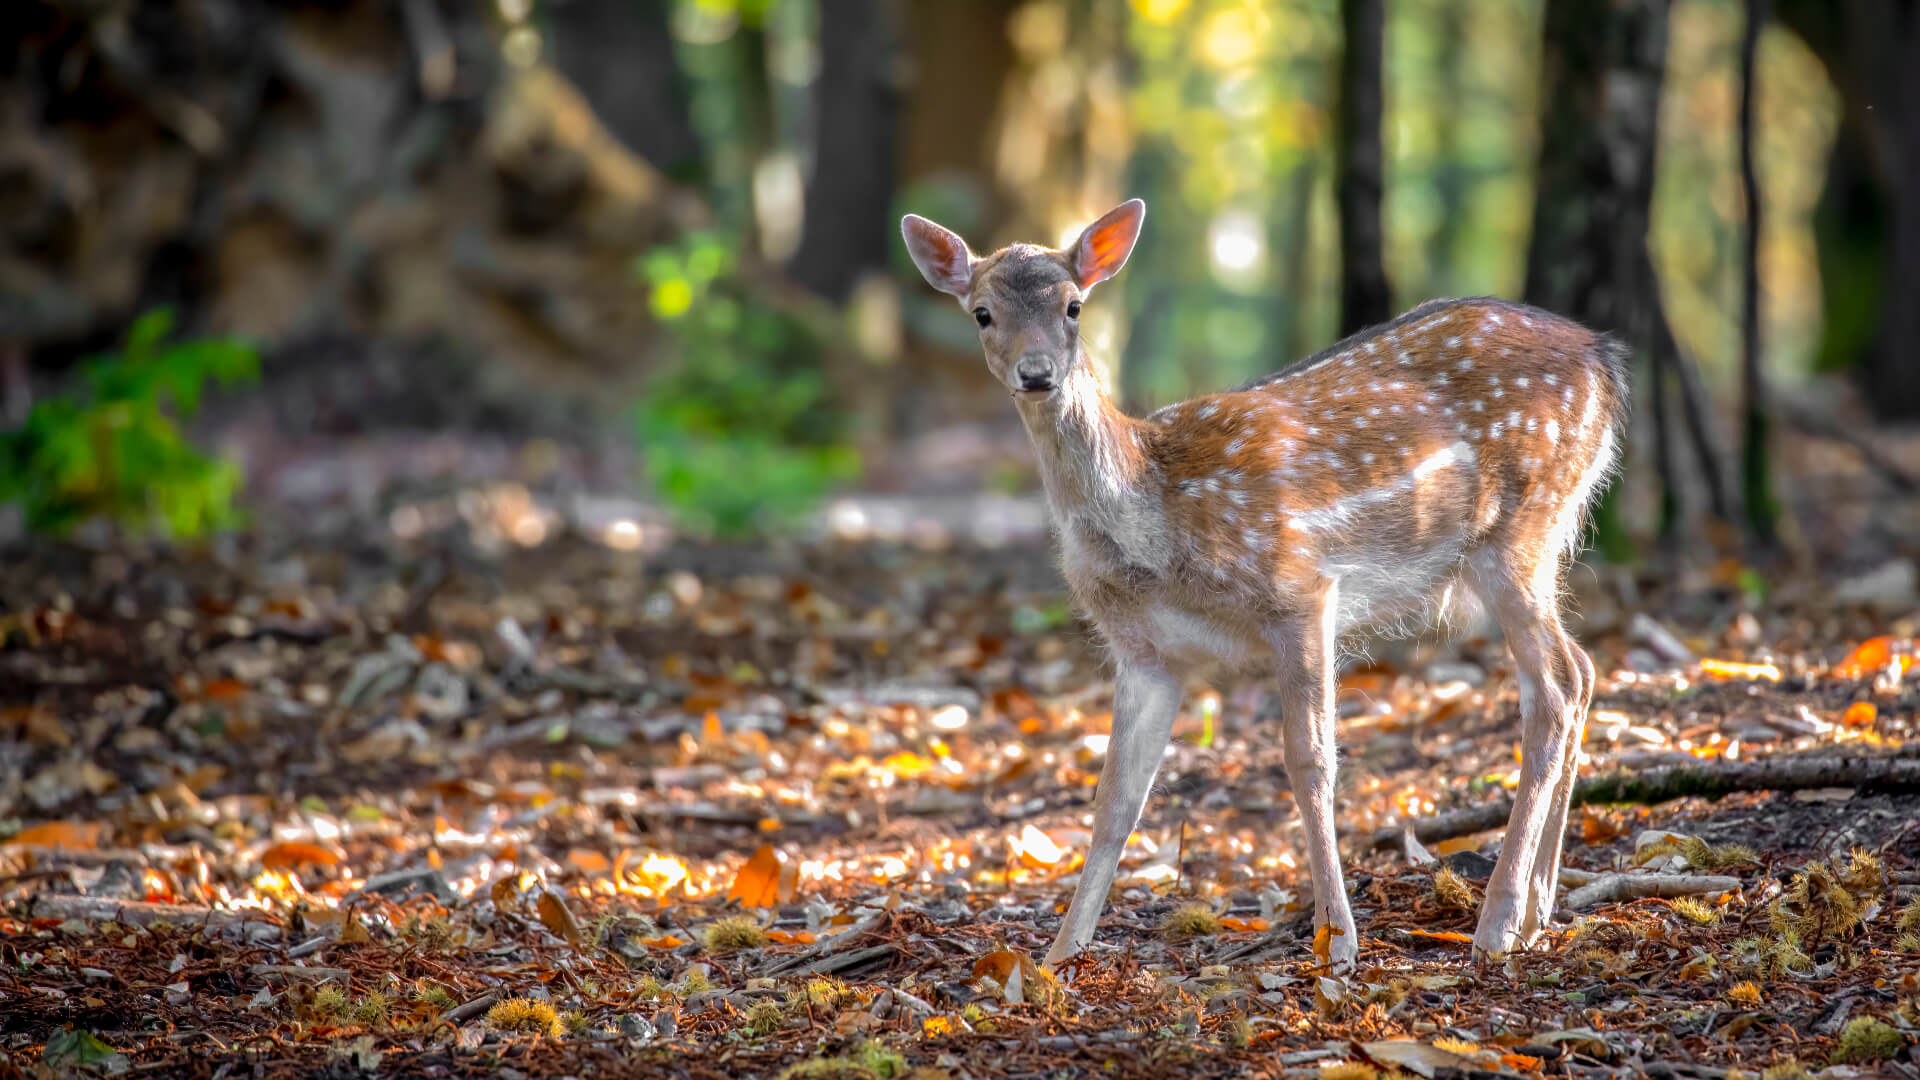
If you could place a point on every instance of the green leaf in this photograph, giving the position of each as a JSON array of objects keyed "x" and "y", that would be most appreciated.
[
  {"x": 148, "y": 331},
  {"x": 81, "y": 1047}
]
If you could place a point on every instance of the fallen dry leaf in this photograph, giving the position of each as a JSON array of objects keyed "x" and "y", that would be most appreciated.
[
  {"x": 1441, "y": 935},
  {"x": 556, "y": 916},
  {"x": 292, "y": 853},
  {"x": 757, "y": 885},
  {"x": 74, "y": 835}
]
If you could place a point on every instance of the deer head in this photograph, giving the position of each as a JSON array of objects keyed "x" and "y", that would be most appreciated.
[{"x": 1026, "y": 299}]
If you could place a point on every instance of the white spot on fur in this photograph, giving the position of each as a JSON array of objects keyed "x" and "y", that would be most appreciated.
[{"x": 1342, "y": 512}]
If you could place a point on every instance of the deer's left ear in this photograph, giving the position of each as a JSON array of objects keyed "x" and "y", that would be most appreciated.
[{"x": 1103, "y": 248}]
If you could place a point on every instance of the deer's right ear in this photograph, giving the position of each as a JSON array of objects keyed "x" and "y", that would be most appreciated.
[{"x": 941, "y": 255}]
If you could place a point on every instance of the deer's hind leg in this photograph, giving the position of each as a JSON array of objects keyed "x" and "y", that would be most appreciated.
[
  {"x": 1546, "y": 871},
  {"x": 1523, "y": 596}
]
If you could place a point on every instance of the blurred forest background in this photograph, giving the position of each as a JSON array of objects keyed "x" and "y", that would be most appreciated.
[{"x": 649, "y": 248}]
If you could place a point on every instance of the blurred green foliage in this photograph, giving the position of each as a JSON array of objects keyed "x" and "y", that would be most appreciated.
[
  {"x": 114, "y": 448},
  {"x": 739, "y": 433}
]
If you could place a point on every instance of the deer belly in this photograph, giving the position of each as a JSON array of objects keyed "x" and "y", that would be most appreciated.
[
  {"x": 1397, "y": 573},
  {"x": 1190, "y": 638}
]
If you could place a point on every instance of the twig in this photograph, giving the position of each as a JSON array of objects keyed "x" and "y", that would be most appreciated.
[
  {"x": 271, "y": 972},
  {"x": 1665, "y": 783},
  {"x": 244, "y": 927},
  {"x": 1612, "y": 888},
  {"x": 460, "y": 1014},
  {"x": 840, "y": 942},
  {"x": 846, "y": 961},
  {"x": 432, "y": 47},
  {"x": 1871, "y": 456}
]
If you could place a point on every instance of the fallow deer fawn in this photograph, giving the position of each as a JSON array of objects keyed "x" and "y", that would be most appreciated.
[{"x": 1455, "y": 447}]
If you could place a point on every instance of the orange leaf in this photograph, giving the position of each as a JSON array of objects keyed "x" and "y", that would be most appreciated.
[
  {"x": 1441, "y": 935},
  {"x": 554, "y": 913},
  {"x": 1522, "y": 1062},
  {"x": 1323, "y": 942},
  {"x": 936, "y": 1025},
  {"x": 59, "y": 834},
  {"x": 1458, "y": 843},
  {"x": 224, "y": 690},
  {"x": 1860, "y": 714},
  {"x": 1037, "y": 849},
  {"x": 1230, "y": 922},
  {"x": 430, "y": 647},
  {"x": 1873, "y": 652},
  {"x": 1001, "y": 963},
  {"x": 757, "y": 885},
  {"x": 1872, "y": 655},
  {"x": 1598, "y": 828},
  {"x": 589, "y": 861},
  {"x": 791, "y": 937},
  {"x": 292, "y": 853},
  {"x": 664, "y": 941}
]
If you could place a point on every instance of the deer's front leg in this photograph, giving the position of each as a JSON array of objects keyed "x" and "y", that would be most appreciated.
[
  {"x": 1307, "y": 649},
  {"x": 1145, "y": 700}
]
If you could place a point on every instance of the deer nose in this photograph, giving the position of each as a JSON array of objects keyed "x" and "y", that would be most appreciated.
[{"x": 1035, "y": 373}]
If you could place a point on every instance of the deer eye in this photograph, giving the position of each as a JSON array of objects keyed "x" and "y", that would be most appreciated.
[
  {"x": 1073, "y": 309},
  {"x": 980, "y": 316}
]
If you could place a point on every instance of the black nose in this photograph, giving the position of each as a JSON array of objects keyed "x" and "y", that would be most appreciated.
[{"x": 1034, "y": 375}]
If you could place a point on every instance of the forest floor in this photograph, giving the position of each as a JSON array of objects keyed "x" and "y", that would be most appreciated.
[{"x": 428, "y": 806}]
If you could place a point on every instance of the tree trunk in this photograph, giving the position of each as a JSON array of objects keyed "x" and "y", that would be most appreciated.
[
  {"x": 1602, "y": 68},
  {"x": 1453, "y": 178},
  {"x": 1364, "y": 296},
  {"x": 1601, "y": 89},
  {"x": 621, "y": 58},
  {"x": 847, "y": 230},
  {"x": 1756, "y": 480},
  {"x": 1868, "y": 221}
]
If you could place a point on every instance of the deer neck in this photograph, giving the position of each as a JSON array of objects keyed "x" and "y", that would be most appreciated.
[{"x": 1090, "y": 454}]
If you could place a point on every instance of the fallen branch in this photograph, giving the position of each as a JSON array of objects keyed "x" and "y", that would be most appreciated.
[
  {"x": 1668, "y": 782},
  {"x": 239, "y": 926},
  {"x": 1613, "y": 888},
  {"x": 286, "y": 972},
  {"x": 1875, "y": 459},
  {"x": 812, "y": 955},
  {"x": 460, "y": 1014},
  {"x": 841, "y": 963}
]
